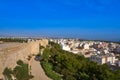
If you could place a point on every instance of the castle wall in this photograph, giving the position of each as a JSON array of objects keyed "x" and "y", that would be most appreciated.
[{"x": 11, "y": 54}]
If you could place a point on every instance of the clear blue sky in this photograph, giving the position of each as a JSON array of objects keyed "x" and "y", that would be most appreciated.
[{"x": 90, "y": 19}]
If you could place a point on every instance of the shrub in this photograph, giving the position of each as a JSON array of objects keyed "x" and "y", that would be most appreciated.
[{"x": 49, "y": 72}]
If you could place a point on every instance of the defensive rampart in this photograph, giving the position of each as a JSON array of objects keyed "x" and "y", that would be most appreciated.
[{"x": 10, "y": 53}]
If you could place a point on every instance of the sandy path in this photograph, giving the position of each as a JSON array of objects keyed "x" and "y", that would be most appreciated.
[{"x": 37, "y": 71}]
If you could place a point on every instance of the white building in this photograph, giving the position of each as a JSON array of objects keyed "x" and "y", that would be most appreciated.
[
  {"x": 103, "y": 58},
  {"x": 66, "y": 47},
  {"x": 75, "y": 51},
  {"x": 86, "y": 46}
]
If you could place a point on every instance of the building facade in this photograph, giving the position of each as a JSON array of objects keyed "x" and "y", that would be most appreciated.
[{"x": 103, "y": 58}]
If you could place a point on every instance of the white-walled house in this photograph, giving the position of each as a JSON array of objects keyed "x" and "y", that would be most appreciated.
[
  {"x": 86, "y": 46},
  {"x": 66, "y": 47},
  {"x": 103, "y": 58}
]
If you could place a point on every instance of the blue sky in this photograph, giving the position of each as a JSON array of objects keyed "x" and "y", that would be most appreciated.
[{"x": 89, "y": 19}]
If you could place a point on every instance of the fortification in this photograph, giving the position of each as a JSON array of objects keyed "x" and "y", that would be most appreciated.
[{"x": 10, "y": 53}]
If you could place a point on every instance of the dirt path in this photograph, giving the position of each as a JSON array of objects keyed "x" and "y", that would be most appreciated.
[{"x": 37, "y": 71}]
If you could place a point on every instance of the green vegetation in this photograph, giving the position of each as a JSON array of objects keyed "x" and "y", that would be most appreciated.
[
  {"x": 41, "y": 47},
  {"x": 20, "y": 72},
  {"x": 13, "y": 40},
  {"x": 48, "y": 69},
  {"x": 59, "y": 63},
  {"x": 7, "y": 74}
]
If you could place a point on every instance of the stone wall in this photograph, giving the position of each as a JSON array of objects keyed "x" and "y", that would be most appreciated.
[
  {"x": 43, "y": 42},
  {"x": 11, "y": 54}
]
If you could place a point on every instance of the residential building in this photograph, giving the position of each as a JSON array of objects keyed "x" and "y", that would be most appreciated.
[{"x": 103, "y": 58}]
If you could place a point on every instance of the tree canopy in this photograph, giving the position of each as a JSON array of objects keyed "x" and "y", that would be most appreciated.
[{"x": 75, "y": 67}]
